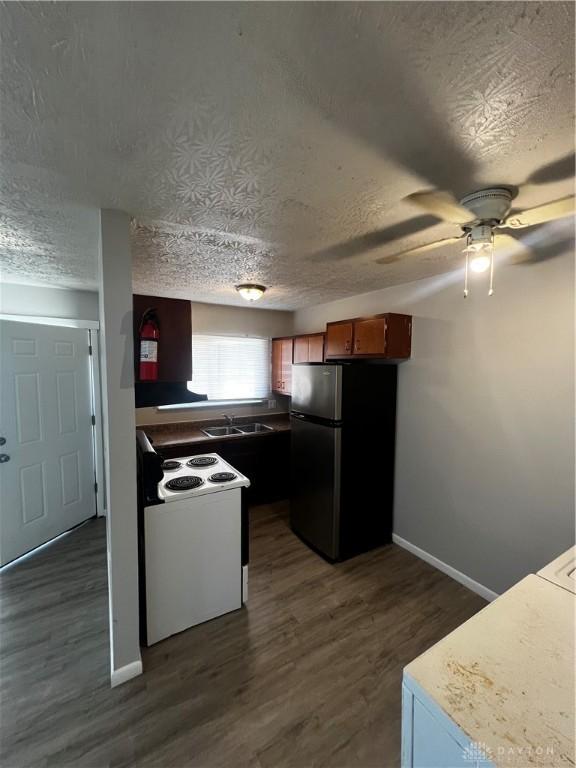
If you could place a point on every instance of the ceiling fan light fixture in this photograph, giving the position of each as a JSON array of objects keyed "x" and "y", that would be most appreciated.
[
  {"x": 480, "y": 263},
  {"x": 251, "y": 291},
  {"x": 479, "y": 254},
  {"x": 481, "y": 216}
]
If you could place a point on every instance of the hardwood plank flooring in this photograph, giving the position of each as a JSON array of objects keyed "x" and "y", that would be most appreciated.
[{"x": 308, "y": 675}]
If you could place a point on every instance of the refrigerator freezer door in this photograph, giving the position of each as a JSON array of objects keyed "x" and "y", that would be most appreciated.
[
  {"x": 317, "y": 391},
  {"x": 315, "y": 498}
]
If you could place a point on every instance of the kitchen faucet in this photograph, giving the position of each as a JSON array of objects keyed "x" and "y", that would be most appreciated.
[{"x": 229, "y": 419}]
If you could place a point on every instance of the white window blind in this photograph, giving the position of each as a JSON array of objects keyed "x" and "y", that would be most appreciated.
[{"x": 230, "y": 367}]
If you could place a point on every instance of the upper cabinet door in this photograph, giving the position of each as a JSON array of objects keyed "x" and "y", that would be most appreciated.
[
  {"x": 301, "y": 349},
  {"x": 370, "y": 337},
  {"x": 309, "y": 348},
  {"x": 316, "y": 348},
  {"x": 287, "y": 351},
  {"x": 339, "y": 339},
  {"x": 276, "y": 365},
  {"x": 398, "y": 336}
]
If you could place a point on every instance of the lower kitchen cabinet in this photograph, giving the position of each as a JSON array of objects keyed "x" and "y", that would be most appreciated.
[
  {"x": 264, "y": 459},
  {"x": 430, "y": 739}
]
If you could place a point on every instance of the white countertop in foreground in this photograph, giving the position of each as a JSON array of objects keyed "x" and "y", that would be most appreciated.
[{"x": 506, "y": 676}]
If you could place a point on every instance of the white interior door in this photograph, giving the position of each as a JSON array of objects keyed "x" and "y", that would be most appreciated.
[{"x": 46, "y": 456}]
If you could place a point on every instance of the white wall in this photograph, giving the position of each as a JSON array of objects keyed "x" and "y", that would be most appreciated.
[
  {"x": 117, "y": 374},
  {"x": 240, "y": 321},
  {"x": 235, "y": 321},
  {"x": 44, "y": 301},
  {"x": 485, "y": 435}
]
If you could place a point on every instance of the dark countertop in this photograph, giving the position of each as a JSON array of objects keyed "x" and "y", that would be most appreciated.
[{"x": 190, "y": 432}]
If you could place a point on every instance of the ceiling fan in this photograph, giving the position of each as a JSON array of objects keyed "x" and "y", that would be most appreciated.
[
  {"x": 481, "y": 216},
  {"x": 403, "y": 127}
]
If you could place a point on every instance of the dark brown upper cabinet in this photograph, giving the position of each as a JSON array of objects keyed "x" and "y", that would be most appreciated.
[
  {"x": 276, "y": 365},
  {"x": 282, "y": 351},
  {"x": 309, "y": 348},
  {"x": 370, "y": 337},
  {"x": 339, "y": 338},
  {"x": 386, "y": 336},
  {"x": 175, "y": 343},
  {"x": 316, "y": 348},
  {"x": 301, "y": 349}
]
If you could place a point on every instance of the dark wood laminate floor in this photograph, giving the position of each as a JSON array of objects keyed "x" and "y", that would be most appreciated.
[{"x": 308, "y": 675}]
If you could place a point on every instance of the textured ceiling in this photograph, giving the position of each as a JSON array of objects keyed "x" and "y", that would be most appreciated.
[{"x": 271, "y": 142}]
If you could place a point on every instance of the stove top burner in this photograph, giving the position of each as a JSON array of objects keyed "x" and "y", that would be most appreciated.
[
  {"x": 202, "y": 461},
  {"x": 171, "y": 464},
  {"x": 184, "y": 483},
  {"x": 222, "y": 477}
]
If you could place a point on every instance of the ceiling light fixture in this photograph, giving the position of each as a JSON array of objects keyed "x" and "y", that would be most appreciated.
[
  {"x": 479, "y": 254},
  {"x": 251, "y": 291},
  {"x": 480, "y": 263}
]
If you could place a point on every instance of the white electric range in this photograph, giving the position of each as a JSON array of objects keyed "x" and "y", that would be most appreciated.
[{"x": 194, "y": 540}]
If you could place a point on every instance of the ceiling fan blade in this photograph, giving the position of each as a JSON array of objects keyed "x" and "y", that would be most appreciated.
[
  {"x": 361, "y": 244},
  {"x": 420, "y": 249},
  {"x": 541, "y": 214},
  {"x": 404, "y": 125},
  {"x": 558, "y": 170},
  {"x": 543, "y": 242},
  {"x": 512, "y": 250},
  {"x": 503, "y": 242},
  {"x": 442, "y": 205}
]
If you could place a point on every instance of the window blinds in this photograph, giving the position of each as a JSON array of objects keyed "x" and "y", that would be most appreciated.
[{"x": 230, "y": 367}]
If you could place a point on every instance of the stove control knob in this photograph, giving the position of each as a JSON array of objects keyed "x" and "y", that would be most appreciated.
[
  {"x": 2, "y": 441},
  {"x": 4, "y": 458}
]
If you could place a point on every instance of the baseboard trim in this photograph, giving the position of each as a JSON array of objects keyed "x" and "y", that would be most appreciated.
[
  {"x": 125, "y": 673},
  {"x": 480, "y": 589}
]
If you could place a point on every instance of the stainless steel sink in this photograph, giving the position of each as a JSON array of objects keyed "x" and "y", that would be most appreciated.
[
  {"x": 250, "y": 428},
  {"x": 221, "y": 431}
]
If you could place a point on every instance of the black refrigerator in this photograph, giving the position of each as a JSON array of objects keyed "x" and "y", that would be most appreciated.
[{"x": 343, "y": 419}]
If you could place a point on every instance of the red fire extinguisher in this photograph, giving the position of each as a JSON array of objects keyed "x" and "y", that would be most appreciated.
[{"x": 149, "y": 337}]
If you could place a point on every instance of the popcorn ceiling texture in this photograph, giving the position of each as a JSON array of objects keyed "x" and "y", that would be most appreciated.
[{"x": 249, "y": 140}]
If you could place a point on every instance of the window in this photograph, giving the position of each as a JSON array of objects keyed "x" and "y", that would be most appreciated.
[{"x": 230, "y": 367}]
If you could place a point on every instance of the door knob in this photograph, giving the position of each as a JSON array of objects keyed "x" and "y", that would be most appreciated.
[
  {"x": 4, "y": 458},
  {"x": 2, "y": 441}
]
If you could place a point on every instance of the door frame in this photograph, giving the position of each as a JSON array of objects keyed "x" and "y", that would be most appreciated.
[
  {"x": 93, "y": 329},
  {"x": 67, "y": 322},
  {"x": 98, "y": 439}
]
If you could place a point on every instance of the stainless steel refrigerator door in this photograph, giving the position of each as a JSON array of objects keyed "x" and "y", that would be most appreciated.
[
  {"x": 317, "y": 390},
  {"x": 315, "y": 487}
]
